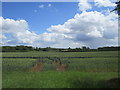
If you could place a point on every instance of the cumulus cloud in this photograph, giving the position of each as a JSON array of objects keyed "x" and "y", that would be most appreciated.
[
  {"x": 93, "y": 29},
  {"x": 89, "y": 27},
  {"x": 2, "y": 39},
  {"x": 104, "y": 3},
  {"x": 18, "y": 29},
  {"x": 84, "y": 5}
]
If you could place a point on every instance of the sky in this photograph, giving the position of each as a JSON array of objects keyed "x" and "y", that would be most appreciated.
[
  {"x": 59, "y": 24},
  {"x": 40, "y": 15}
]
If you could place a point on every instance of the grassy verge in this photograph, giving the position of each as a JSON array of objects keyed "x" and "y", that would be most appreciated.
[{"x": 52, "y": 79}]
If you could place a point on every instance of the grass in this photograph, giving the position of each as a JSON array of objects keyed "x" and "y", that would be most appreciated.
[
  {"x": 60, "y": 54},
  {"x": 52, "y": 79},
  {"x": 93, "y": 64},
  {"x": 17, "y": 64},
  {"x": 81, "y": 73},
  {"x": 76, "y": 64}
]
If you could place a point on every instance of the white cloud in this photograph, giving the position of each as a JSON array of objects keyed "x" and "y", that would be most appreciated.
[
  {"x": 41, "y": 6},
  {"x": 89, "y": 28},
  {"x": 92, "y": 29},
  {"x": 2, "y": 39},
  {"x": 18, "y": 29},
  {"x": 104, "y": 3},
  {"x": 84, "y": 5},
  {"x": 58, "y": 29},
  {"x": 49, "y": 5}
]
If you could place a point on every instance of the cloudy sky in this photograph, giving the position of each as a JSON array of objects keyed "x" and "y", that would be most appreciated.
[{"x": 59, "y": 24}]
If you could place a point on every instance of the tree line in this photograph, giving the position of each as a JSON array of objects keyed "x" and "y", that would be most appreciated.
[{"x": 22, "y": 48}]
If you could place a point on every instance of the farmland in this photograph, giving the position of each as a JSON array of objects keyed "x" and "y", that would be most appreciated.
[{"x": 82, "y": 69}]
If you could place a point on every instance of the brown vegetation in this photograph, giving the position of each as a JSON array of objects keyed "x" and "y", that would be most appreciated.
[
  {"x": 59, "y": 65},
  {"x": 38, "y": 67}
]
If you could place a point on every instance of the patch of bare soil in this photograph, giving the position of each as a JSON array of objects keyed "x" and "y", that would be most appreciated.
[
  {"x": 59, "y": 66},
  {"x": 38, "y": 67},
  {"x": 113, "y": 82},
  {"x": 62, "y": 67}
]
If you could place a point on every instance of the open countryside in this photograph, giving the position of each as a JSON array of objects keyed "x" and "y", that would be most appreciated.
[
  {"x": 50, "y": 69},
  {"x": 60, "y": 44}
]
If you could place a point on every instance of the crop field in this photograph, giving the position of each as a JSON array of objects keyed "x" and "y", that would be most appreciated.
[
  {"x": 60, "y": 69},
  {"x": 61, "y": 54}
]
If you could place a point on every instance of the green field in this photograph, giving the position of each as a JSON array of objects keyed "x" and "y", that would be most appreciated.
[
  {"x": 61, "y": 54},
  {"x": 80, "y": 72}
]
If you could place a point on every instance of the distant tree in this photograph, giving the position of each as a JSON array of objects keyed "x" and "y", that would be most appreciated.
[
  {"x": 30, "y": 48},
  {"x": 69, "y": 49},
  {"x": 108, "y": 48},
  {"x": 37, "y": 49},
  {"x": 78, "y": 49},
  {"x": 117, "y": 8},
  {"x": 84, "y": 48},
  {"x": 44, "y": 49}
]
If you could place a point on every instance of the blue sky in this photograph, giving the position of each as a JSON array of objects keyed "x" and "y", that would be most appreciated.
[
  {"x": 59, "y": 24},
  {"x": 38, "y": 21}
]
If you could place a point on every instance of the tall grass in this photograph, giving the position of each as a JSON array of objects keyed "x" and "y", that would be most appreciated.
[
  {"x": 86, "y": 64},
  {"x": 61, "y": 54},
  {"x": 81, "y": 72},
  {"x": 92, "y": 64},
  {"x": 17, "y": 64},
  {"x": 52, "y": 79}
]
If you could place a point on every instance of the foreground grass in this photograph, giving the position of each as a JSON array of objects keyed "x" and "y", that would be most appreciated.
[
  {"x": 81, "y": 72},
  {"x": 52, "y": 79}
]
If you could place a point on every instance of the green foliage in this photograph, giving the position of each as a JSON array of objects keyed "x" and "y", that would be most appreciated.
[
  {"x": 17, "y": 64},
  {"x": 98, "y": 61},
  {"x": 92, "y": 64},
  {"x": 61, "y": 54},
  {"x": 52, "y": 79},
  {"x": 17, "y": 48},
  {"x": 81, "y": 73},
  {"x": 117, "y": 8},
  {"x": 30, "y": 48}
]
